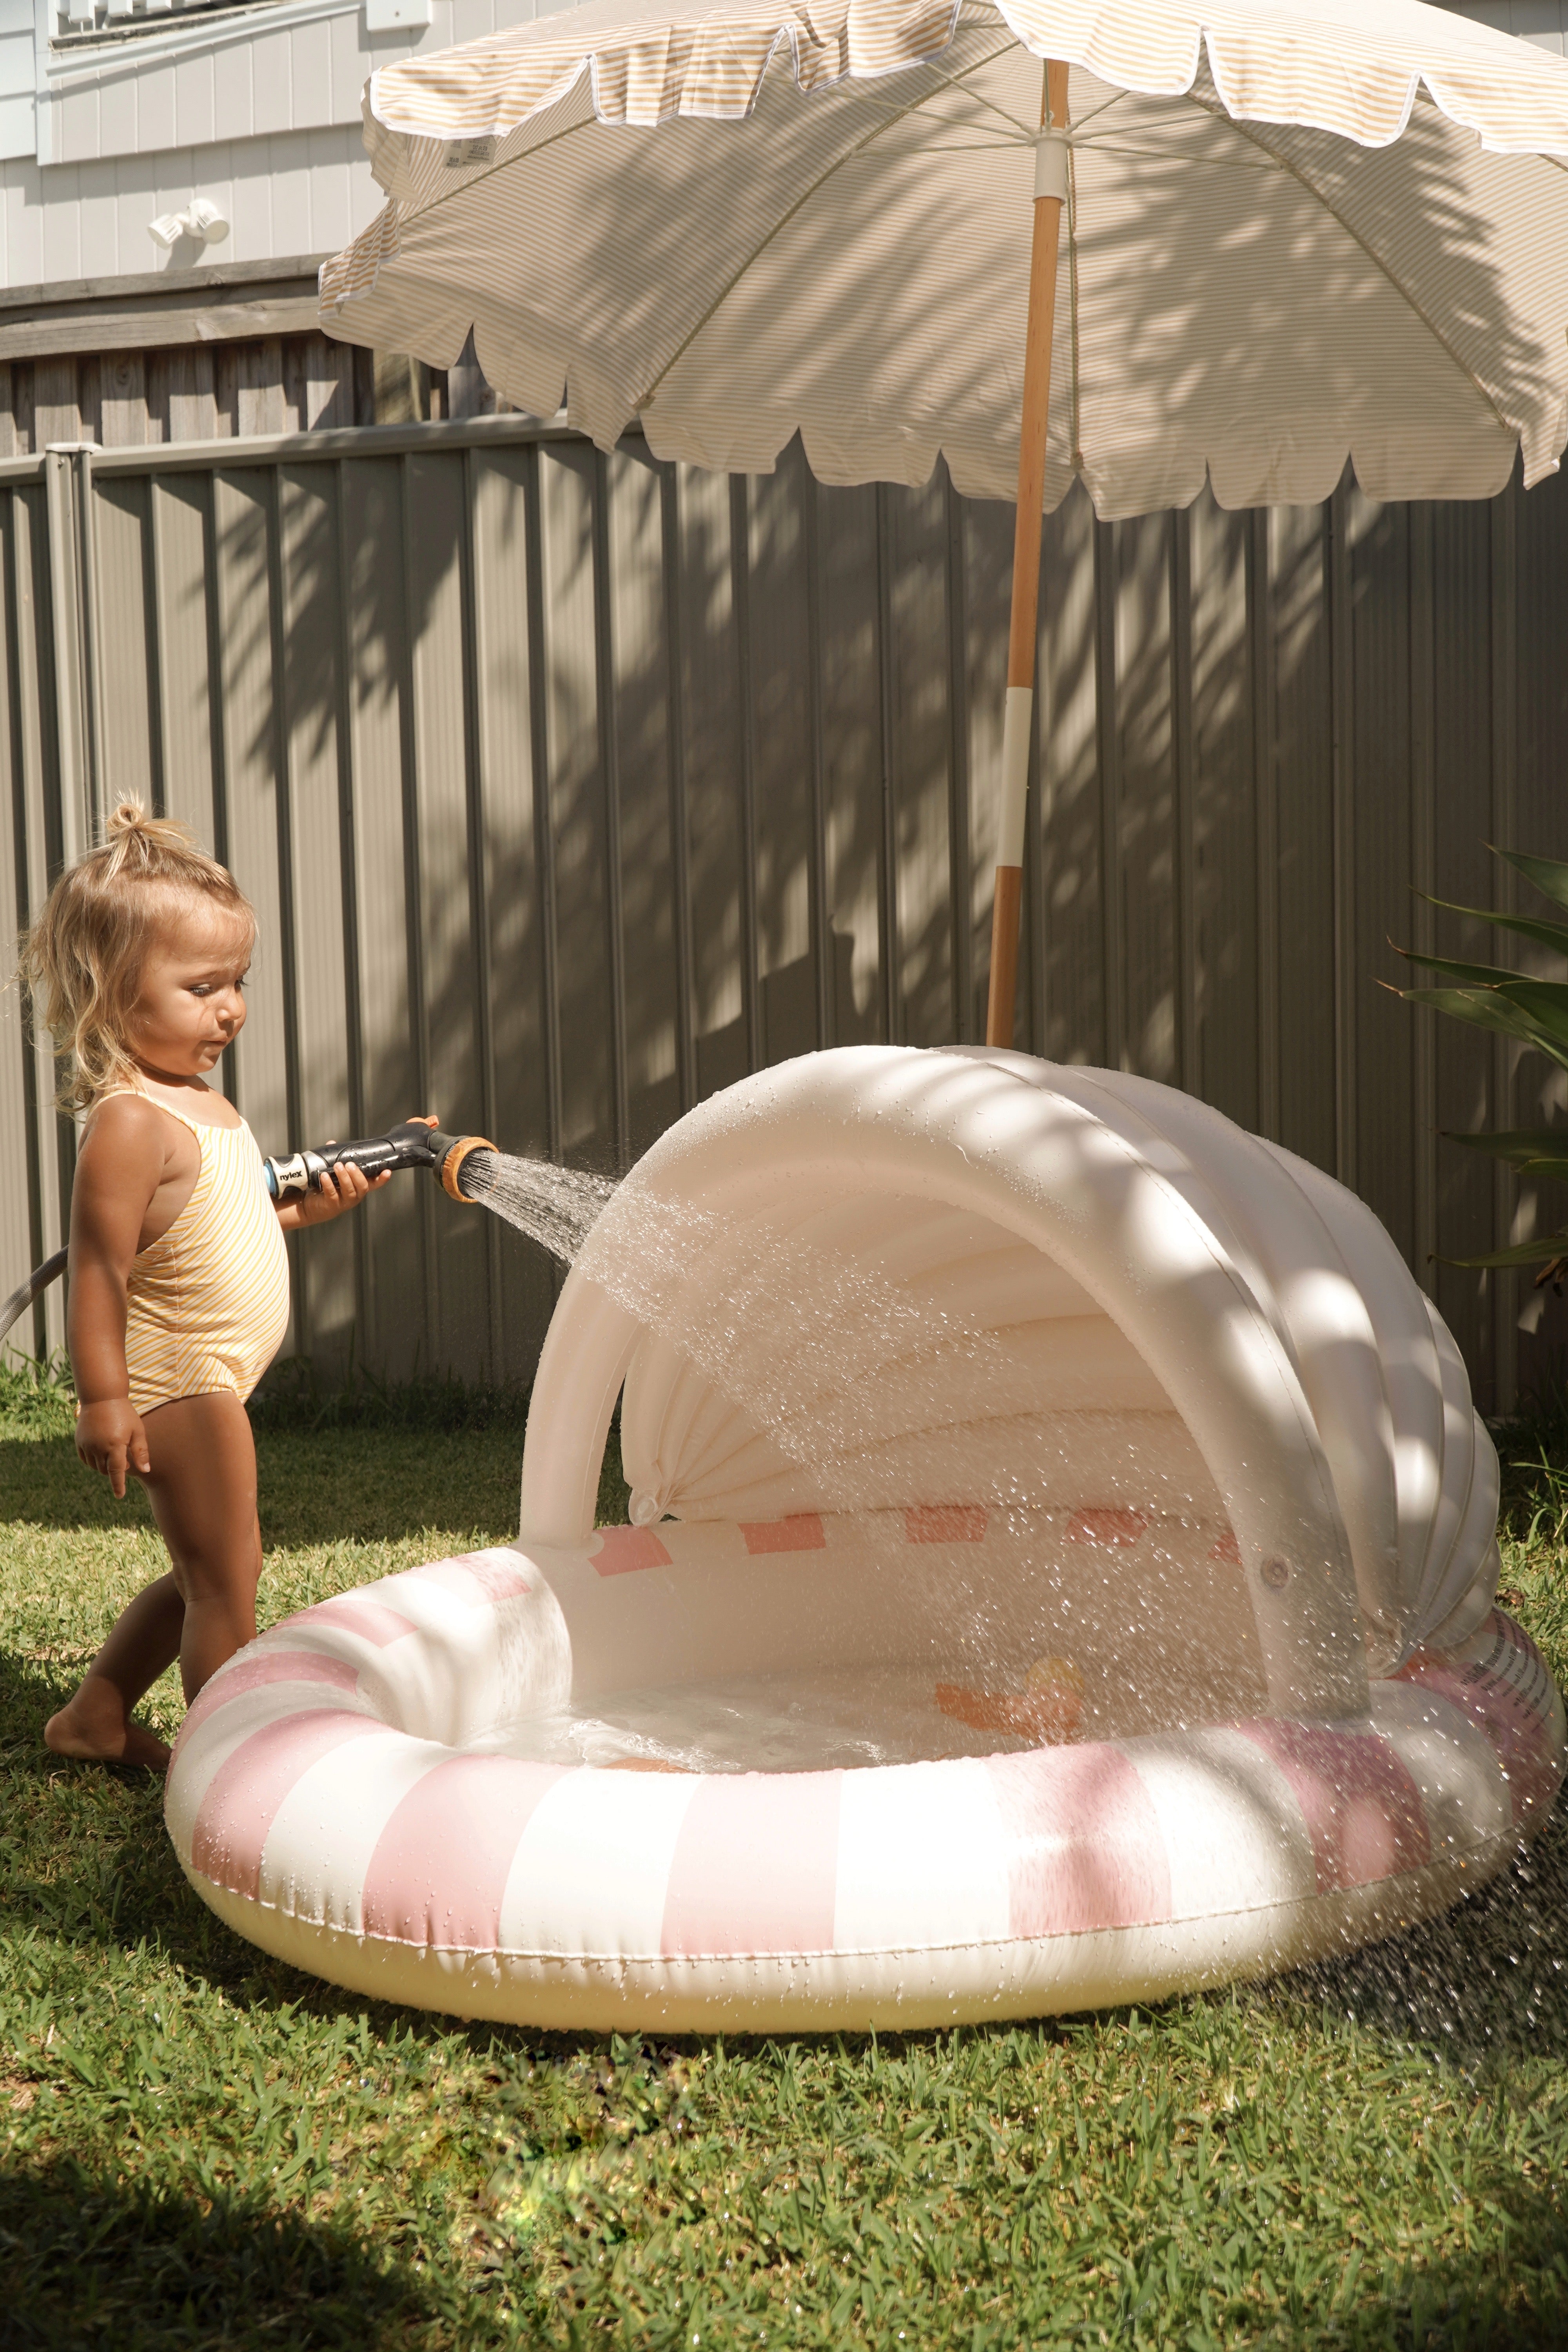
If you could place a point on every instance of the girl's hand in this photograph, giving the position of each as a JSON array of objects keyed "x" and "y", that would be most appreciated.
[
  {"x": 340, "y": 1188},
  {"x": 109, "y": 1438}
]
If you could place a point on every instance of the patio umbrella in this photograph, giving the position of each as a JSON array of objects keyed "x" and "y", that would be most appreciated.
[{"x": 1296, "y": 231}]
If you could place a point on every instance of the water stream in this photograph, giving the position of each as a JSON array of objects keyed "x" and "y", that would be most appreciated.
[{"x": 554, "y": 1206}]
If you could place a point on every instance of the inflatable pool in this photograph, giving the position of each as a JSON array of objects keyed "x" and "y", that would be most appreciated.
[{"x": 1061, "y": 1571}]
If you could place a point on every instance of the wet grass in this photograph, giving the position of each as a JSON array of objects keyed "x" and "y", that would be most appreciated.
[{"x": 199, "y": 2148}]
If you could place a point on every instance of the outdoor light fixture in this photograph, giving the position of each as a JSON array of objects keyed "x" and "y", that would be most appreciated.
[{"x": 200, "y": 220}]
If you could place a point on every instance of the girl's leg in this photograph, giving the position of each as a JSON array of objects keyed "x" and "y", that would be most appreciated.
[
  {"x": 97, "y": 1722},
  {"x": 202, "y": 1487}
]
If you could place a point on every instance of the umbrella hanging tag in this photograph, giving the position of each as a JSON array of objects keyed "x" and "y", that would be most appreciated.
[{"x": 1051, "y": 166}]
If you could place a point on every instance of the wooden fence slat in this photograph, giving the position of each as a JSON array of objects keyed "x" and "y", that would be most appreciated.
[
  {"x": 56, "y": 406},
  {"x": 189, "y": 393},
  {"x": 122, "y": 400}
]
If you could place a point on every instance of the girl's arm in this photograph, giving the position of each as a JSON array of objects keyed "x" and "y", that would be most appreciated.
[{"x": 120, "y": 1167}]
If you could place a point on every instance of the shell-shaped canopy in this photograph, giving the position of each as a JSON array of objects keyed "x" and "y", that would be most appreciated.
[{"x": 878, "y": 1278}]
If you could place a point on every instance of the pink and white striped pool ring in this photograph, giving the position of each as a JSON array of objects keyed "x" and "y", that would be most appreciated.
[
  {"x": 1343, "y": 1735},
  {"x": 1014, "y": 1884}
]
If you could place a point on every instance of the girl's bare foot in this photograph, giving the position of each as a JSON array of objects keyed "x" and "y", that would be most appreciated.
[{"x": 93, "y": 1726}]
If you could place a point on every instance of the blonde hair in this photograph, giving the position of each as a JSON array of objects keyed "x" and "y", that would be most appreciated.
[{"x": 83, "y": 958}]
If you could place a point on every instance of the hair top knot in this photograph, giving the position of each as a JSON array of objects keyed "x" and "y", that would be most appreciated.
[
  {"x": 136, "y": 839},
  {"x": 82, "y": 960}
]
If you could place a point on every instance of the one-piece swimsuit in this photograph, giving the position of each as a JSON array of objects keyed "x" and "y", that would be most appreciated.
[{"x": 207, "y": 1303}]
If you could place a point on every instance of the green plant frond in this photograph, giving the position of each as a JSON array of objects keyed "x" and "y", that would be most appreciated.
[
  {"x": 1549, "y": 876},
  {"x": 1470, "y": 975},
  {"x": 1537, "y": 1150},
  {"x": 1545, "y": 934},
  {"x": 1544, "y": 1002},
  {"x": 1487, "y": 1008},
  {"x": 1541, "y": 1253}
]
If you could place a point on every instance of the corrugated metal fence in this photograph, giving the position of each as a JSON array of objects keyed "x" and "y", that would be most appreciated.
[{"x": 569, "y": 788}]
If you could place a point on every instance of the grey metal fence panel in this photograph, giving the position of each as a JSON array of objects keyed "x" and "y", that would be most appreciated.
[{"x": 568, "y": 788}]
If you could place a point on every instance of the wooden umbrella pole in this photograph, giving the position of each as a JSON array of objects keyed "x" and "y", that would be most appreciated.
[{"x": 1050, "y": 191}]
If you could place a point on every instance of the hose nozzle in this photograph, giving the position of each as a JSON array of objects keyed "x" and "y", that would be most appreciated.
[{"x": 410, "y": 1145}]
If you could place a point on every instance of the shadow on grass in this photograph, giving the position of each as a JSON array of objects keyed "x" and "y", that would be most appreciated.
[
  {"x": 1513, "y": 2297},
  {"x": 1509, "y": 2295},
  {"x": 369, "y": 1486},
  {"x": 43, "y": 1483},
  {"x": 1488, "y": 1982},
  {"x": 85, "y": 2260}
]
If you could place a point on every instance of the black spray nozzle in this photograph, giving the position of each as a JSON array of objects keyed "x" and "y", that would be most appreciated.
[{"x": 410, "y": 1145}]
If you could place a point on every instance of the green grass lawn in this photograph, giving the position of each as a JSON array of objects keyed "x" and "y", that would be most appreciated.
[{"x": 200, "y": 2147}]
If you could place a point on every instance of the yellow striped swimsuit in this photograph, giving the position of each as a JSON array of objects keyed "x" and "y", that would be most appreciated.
[{"x": 207, "y": 1304}]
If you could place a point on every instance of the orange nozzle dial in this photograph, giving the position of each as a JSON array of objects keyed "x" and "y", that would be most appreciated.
[{"x": 452, "y": 1164}]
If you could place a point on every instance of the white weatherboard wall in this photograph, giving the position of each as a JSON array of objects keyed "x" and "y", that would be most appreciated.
[
  {"x": 307, "y": 192},
  {"x": 19, "y": 77},
  {"x": 256, "y": 108}
]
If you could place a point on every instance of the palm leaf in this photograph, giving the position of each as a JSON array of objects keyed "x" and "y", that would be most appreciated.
[
  {"x": 1533, "y": 1151},
  {"x": 1544, "y": 1002},
  {"x": 1550, "y": 876},
  {"x": 1488, "y": 1008},
  {"x": 1550, "y": 1247},
  {"x": 1545, "y": 934},
  {"x": 1471, "y": 975}
]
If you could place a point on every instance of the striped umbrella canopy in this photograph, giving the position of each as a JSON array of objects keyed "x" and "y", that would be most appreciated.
[{"x": 1244, "y": 245}]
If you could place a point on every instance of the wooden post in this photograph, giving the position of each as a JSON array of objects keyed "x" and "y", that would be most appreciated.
[{"x": 1050, "y": 191}]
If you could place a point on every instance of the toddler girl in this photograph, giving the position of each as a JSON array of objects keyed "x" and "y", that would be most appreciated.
[{"x": 179, "y": 1278}]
